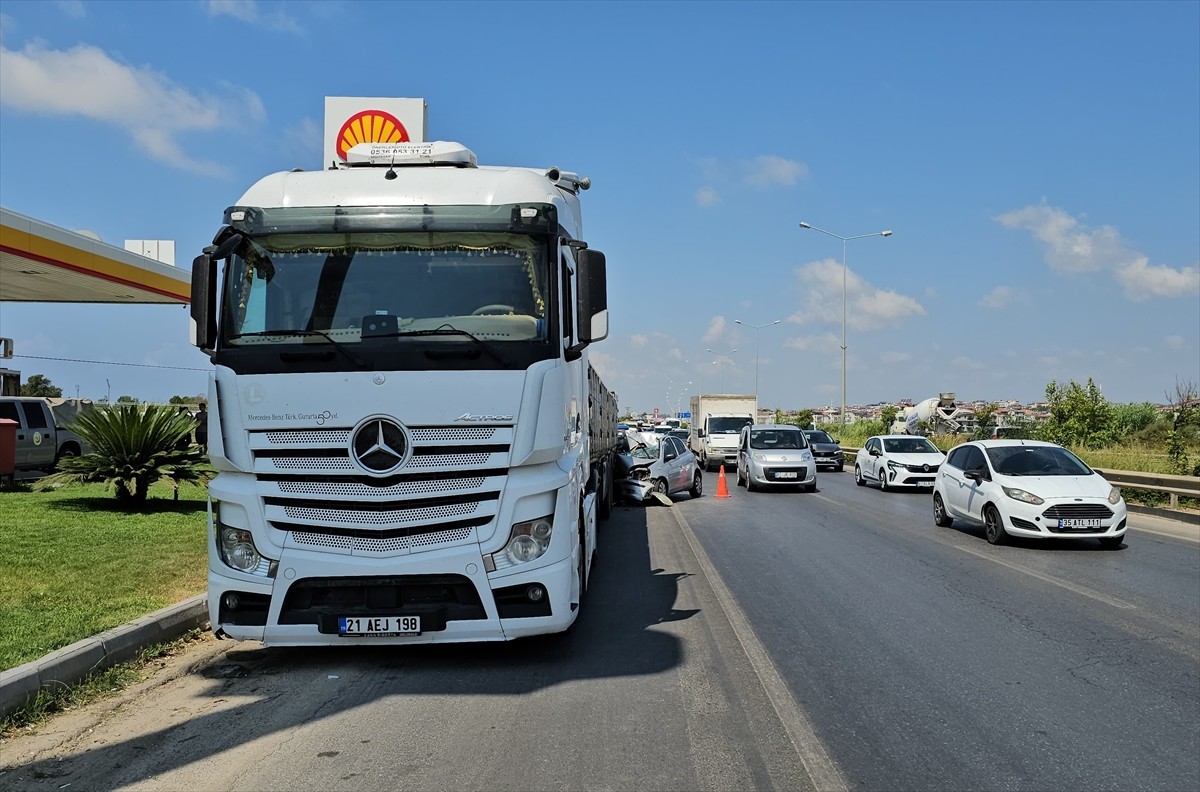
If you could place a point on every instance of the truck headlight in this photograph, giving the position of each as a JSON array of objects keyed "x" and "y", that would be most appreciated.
[
  {"x": 237, "y": 550},
  {"x": 529, "y": 540}
]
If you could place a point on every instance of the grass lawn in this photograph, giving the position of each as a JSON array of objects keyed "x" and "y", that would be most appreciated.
[{"x": 73, "y": 564}]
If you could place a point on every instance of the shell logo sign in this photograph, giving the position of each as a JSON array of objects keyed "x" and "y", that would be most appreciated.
[
  {"x": 354, "y": 120},
  {"x": 370, "y": 126}
]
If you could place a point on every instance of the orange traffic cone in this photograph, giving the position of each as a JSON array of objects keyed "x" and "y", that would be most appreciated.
[{"x": 722, "y": 487}]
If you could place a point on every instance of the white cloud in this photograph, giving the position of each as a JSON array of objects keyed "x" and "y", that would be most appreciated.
[
  {"x": 1073, "y": 248},
  {"x": 866, "y": 306},
  {"x": 997, "y": 298},
  {"x": 1174, "y": 342},
  {"x": 966, "y": 362},
  {"x": 72, "y": 8},
  {"x": 146, "y": 104},
  {"x": 822, "y": 342},
  {"x": 895, "y": 357},
  {"x": 305, "y": 137},
  {"x": 249, "y": 11},
  {"x": 707, "y": 196},
  {"x": 638, "y": 340},
  {"x": 766, "y": 171},
  {"x": 1143, "y": 281},
  {"x": 716, "y": 327}
]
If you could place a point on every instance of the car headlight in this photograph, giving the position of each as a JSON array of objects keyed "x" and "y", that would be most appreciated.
[
  {"x": 894, "y": 465},
  {"x": 759, "y": 457},
  {"x": 1114, "y": 496},
  {"x": 529, "y": 540},
  {"x": 1022, "y": 495}
]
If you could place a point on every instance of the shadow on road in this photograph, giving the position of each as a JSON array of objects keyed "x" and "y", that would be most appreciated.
[{"x": 611, "y": 638}]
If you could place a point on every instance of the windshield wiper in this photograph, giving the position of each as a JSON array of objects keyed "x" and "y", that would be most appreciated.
[
  {"x": 340, "y": 347},
  {"x": 448, "y": 329}
]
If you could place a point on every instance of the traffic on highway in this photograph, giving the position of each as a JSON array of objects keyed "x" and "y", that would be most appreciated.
[{"x": 773, "y": 639}]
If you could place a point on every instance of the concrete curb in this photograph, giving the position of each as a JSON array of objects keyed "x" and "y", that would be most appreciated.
[{"x": 71, "y": 664}]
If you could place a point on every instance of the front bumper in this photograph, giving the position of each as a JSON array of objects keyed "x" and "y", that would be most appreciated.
[
  {"x": 1043, "y": 521},
  {"x": 781, "y": 474},
  {"x": 463, "y": 564},
  {"x": 835, "y": 460},
  {"x": 634, "y": 490},
  {"x": 903, "y": 477}
]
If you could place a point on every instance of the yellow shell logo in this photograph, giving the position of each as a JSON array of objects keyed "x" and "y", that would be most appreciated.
[{"x": 370, "y": 126}]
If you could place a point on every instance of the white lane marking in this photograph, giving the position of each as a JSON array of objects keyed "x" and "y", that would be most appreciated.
[
  {"x": 1084, "y": 590},
  {"x": 822, "y": 771}
]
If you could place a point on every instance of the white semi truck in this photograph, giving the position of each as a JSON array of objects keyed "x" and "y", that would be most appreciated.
[
  {"x": 412, "y": 446},
  {"x": 716, "y": 426}
]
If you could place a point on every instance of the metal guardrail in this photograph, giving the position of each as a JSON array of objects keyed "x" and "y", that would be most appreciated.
[{"x": 1174, "y": 486}]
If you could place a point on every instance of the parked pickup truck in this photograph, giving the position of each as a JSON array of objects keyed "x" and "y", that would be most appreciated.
[{"x": 41, "y": 440}]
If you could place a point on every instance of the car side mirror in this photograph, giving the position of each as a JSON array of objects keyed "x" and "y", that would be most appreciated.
[
  {"x": 874, "y": 452},
  {"x": 667, "y": 457},
  {"x": 974, "y": 475}
]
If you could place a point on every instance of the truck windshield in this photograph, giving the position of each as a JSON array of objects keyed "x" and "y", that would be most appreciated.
[
  {"x": 492, "y": 285},
  {"x": 371, "y": 293},
  {"x": 728, "y": 426}
]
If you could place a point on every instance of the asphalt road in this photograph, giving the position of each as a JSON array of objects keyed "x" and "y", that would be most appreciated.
[
  {"x": 926, "y": 658},
  {"x": 772, "y": 640},
  {"x": 651, "y": 689}
]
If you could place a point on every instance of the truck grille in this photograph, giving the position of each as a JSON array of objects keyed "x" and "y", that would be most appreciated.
[{"x": 449, "y": 486}]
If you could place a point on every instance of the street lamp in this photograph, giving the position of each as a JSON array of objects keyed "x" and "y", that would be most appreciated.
[
  {"x": 844, "y": 239},
  {"x": 717, "y": 364},
  {"x": 756, "y": 329}
]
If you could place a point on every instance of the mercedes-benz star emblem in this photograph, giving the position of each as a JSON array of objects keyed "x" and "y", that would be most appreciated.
[{"x": 379, "y": 445}]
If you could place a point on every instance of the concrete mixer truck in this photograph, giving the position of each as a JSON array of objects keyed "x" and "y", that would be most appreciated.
[{"x": 939, "y": 415}]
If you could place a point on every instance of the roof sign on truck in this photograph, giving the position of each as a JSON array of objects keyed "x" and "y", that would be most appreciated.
[{"x": 352, "y": 120}]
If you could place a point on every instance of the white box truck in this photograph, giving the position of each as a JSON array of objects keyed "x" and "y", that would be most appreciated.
[
  {"x": 716, "y": 424},
  {"x": 412, "y": 446}
]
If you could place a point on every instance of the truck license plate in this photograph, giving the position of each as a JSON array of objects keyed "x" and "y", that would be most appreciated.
[
  {"x": 379, "y": 625},
  {"x": 1079, "y": 522}
]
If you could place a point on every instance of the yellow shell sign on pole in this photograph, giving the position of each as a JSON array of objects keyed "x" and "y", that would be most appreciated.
[{"x": 350, "y": 120}]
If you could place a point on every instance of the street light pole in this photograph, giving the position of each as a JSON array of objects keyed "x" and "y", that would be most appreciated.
[
  {"x": 718, "y": 364},
  {"x": 844, "y": 239},
  {"x": 756, "y": 329}
]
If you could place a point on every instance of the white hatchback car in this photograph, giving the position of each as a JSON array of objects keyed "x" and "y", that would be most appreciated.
[
  {"x": 1027, "y": 488},
  {"x": 897, "y": 461}
]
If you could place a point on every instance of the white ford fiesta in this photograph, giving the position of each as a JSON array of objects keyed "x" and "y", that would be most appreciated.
[{"x": 1027, "y": 488}]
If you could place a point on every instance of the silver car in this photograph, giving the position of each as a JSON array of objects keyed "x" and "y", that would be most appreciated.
[
  {"x": 662, "y": 465},
  {"x": 775, "y": 455}
]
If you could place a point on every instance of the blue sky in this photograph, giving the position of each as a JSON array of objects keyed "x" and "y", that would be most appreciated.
[{"x": 1039, "y": 164}]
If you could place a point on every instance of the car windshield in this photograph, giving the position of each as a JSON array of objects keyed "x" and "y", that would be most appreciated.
[
  {"x": 909, "y": 445},
  {"x": 645, "y": 451},
  {"x": 817, "y": 436},
  {"x": 769, "y": 439},
  {"x": 727, "y": 425},
  {"x": 1036, "y": 461}
]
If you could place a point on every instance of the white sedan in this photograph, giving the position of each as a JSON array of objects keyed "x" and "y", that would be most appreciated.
[{"x": 898, "y": 461}]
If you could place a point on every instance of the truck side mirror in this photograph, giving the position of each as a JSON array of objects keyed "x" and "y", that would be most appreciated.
[
  {"x": 203, "y": 328},
  {"x": 203, "y": 306},
  {"x": 592, "y": 298}
]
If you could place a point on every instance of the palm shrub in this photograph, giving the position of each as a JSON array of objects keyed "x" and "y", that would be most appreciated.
[{"x": 133, "y": 446}]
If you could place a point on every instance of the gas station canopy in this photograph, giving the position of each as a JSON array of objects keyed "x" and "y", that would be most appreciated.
[{"x": 43, "y": 263}]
